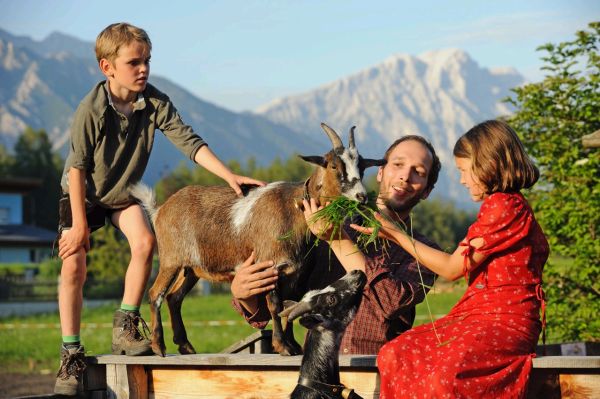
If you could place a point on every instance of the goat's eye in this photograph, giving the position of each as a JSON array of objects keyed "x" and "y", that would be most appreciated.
[
  {"x": 331, "y": 300},
  {"x": 333, "y": 166}
]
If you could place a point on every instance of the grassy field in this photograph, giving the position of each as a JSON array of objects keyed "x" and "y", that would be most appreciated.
[{"x": 31, "y": 344}]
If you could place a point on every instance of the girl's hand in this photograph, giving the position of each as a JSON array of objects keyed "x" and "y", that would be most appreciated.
[
  {"x": 388, "y": 229},
  {"x": 235, "y": 181},
  {"x": 322, "y": 230}
]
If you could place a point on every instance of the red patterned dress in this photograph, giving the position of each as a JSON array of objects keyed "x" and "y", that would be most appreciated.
[{"x": 484, "y": 347}]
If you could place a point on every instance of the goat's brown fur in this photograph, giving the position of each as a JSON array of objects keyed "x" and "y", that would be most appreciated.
[{"x": 197, "y": 238}]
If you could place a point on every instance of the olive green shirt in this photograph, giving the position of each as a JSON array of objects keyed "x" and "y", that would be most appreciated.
[{"x": 114, "y": 150}]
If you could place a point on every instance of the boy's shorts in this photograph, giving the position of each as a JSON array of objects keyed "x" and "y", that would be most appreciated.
[{"x": 96, "y": 215}]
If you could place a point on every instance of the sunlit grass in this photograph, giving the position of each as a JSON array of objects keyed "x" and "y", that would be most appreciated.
[{"x": 36, "y": 348}]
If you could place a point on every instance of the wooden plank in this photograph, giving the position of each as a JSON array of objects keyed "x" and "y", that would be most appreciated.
[
  {"x": 259, "y": 342},
  {"x": 567, "y": 362},
  {"x": 243, "y": 384},
  {"x": 275, "y": 361},
  {"x": 228, "y": 360},
  {"x": 579, "y": 386},
  {"x": 126, "y": 382}
]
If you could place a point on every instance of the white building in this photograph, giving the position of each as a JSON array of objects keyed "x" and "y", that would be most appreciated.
[{"x": 19, "y": 242}]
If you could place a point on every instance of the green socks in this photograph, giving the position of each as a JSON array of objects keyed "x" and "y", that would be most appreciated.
[
  {"x": 71, "y": 341},
  {"x": 130, "y": 308}
]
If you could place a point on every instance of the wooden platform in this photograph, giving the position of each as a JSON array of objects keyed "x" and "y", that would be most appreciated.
[{"x": 246, "y": 376}]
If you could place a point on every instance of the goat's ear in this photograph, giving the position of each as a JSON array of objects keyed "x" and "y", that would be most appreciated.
[
  {"x": 293, "y": 310},
  {"x": 365, "y": 163},
  {"x": 311, "y": 320},
  {"x": 315, "y": 159}
]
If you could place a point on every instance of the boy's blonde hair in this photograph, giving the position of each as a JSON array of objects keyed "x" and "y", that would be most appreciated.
[
  {"x": 499, "y": 160},
  {"x": 114, "y": 36}
]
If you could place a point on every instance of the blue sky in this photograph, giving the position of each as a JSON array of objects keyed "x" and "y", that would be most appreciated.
[{"x": 242, "y": 54}]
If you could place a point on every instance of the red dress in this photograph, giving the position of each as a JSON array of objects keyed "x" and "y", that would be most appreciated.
[{"x": 484, "y": 347}]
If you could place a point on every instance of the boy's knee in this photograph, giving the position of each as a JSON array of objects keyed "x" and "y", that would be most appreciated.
[
  {"x": 73, "y": 270},
  {"x": 144, "y": 246}
]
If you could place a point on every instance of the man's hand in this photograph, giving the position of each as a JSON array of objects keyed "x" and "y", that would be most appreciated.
[
  {"x": 73, "y": 239},
  {"x": 253, "y": 278}
]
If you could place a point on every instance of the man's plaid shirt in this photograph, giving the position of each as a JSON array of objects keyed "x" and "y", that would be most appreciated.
[{"x": 392, "y": 291}]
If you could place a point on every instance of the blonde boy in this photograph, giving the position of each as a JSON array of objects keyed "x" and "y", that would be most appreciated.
[{"x": 111, "y": 139}]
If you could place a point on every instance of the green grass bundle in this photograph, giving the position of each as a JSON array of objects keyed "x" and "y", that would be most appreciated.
[{"x": 342, "y": 209}]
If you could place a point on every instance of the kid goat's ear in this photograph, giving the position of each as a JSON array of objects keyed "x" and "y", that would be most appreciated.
[{"x": 311, "y": 321}]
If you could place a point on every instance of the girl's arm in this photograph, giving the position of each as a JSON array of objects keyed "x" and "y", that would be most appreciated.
[
  {"x": 450, "y": 266},
  {"x": 208, "y": 160},
  {"x": 343, "y": 247}
]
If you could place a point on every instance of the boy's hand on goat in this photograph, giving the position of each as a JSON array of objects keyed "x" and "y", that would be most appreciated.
[
  {"x": 321, "y": 229},
  {"x": 235, "y": 181},
  {"x": 73, "y": 239},
  {"x": 253, "y": 278}
]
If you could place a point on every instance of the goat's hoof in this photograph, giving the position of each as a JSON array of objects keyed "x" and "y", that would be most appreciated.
[
  {"x": 187, "y": 349},
  {"x": 158, "y": 350},
  {"x": 289, "y": 351}
]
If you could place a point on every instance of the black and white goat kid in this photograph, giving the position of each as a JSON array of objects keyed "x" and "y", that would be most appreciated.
[{"x": 326, "y": 313}]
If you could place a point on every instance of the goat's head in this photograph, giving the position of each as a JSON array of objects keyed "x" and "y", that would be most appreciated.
[
  {"x": 332, "y": 307},
  {"x": 340, "y": 171}
]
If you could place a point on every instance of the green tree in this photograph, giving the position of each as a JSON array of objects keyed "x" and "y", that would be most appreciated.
[
  {"x": 442, "y": 222},
  {"x": 34, "y": 158},
  {"x": 107, "y": 263},
  {"x": 6, "y": 161},
  {"x": 551, "y": 117}
]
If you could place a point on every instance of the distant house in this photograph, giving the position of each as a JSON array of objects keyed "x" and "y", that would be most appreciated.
[{"x": 19, "y": 242}]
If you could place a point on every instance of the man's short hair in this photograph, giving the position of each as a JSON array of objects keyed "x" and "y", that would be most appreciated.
[
  {"x": 115, "y": 36},
  {"x": 436, "y": 165}
]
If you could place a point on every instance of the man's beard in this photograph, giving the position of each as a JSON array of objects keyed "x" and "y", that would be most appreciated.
[{"x": 401, "y": 207}]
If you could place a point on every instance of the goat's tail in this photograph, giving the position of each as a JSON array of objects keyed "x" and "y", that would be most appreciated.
[{"x": 145, "y": 196}]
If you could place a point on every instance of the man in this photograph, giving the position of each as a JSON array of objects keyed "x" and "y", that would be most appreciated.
[{"x": 396, "y": 283}]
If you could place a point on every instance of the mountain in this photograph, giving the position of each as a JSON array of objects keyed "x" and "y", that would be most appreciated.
[
  {"x": 41, "y": 84},
  {"x": 438, "y": 94}
]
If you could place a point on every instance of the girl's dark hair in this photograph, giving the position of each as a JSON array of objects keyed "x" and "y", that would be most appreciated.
[
  {"x": 436, "y": 165},
  {"x": 498, "y": 157}
]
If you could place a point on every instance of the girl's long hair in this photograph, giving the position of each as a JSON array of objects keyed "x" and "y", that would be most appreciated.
[{"x": 498, "y": 157}]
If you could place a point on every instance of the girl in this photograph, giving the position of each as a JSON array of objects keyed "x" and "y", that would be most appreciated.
[{"x": 485, "y": 345}]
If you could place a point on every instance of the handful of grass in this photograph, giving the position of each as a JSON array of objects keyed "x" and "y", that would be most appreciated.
[{"x": 343, "y": 209}]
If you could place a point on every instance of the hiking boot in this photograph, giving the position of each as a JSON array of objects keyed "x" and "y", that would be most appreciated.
[
  {"x": 127, "y": 337},
  {"x": 72, "y": 365}
]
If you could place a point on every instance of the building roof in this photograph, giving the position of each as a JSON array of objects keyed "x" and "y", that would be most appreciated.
[
  {"x": 22, "y": 235},
  {"x": 21, "y": 185}
]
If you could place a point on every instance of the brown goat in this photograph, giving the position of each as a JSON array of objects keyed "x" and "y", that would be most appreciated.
[{"x": 206, "y": 232}]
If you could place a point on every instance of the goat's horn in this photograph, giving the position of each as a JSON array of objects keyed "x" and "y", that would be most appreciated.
[
  {"x": 295, "y": 311},
  {"x": 333, "y": 136},
  {"x": 351, "y": 139}
]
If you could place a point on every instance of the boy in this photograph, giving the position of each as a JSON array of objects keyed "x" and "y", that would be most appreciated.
[{"x": 111, "y": 138}]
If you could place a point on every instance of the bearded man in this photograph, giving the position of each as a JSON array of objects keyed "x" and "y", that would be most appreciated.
[{"x": 396, "y": 283}]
